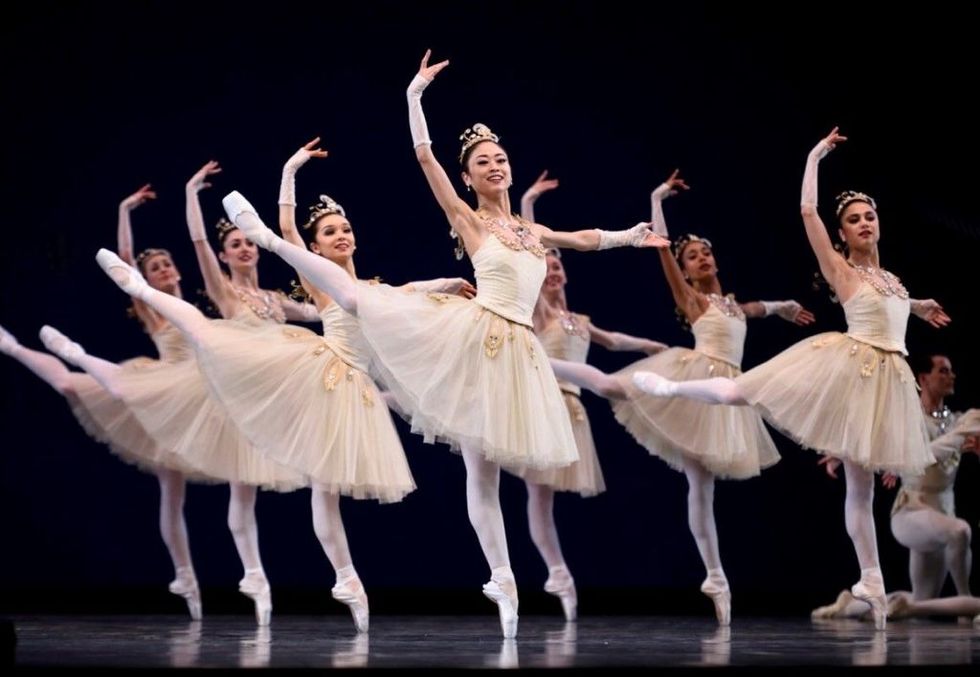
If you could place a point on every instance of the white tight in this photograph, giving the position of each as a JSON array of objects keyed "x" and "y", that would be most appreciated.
[
  {"x": 937, "y": 543},
  {"x": 324, "y": 274},
  {"x": 242, "y": 524},
  {"x": 173, "y": 527},
  {"x": 541, "y": 521},
  {"x": 588, "y": 377},
  {"x": 858, "y": 516},
  {"x": 483, "y": 506},
  {"x": 329, "y": 527},
  {"x": 701, "y": 512}
]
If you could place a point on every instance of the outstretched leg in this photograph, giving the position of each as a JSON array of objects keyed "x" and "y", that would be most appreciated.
[
  {"x": 716, "y": 390},
  {"x": 321, "y": 272},
  {"x": 586, "y": 376}
]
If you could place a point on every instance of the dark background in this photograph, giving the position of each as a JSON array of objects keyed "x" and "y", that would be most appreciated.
[{"x": 100, "y": 101}]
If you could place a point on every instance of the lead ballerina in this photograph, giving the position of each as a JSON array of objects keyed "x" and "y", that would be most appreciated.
[
  {"x": 848, "y": 396},
  {"x": 467, "y": 372}
]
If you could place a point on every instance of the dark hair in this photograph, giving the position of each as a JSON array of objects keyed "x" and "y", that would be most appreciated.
[
  {"x": 923, "y": 363},
  {"x": 465, "y": 157}
]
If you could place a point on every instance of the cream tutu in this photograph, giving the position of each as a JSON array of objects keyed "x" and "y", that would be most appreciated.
[
  {"x": 471, "y": 372},
  {"x": 730, "y": 442},
  {"x": 173, "y": 403},
  {"x": 850, "y": 395},
  {"x": 306, "y": 402},
  {"x": 568, "y": 339}
]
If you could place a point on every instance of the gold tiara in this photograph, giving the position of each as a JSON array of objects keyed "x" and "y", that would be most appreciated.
[
  {"x": 474, "y": 135},
  {"x": 327, "y": 205},
  {"x": 224, "y": 226},
  {"x": 849, "y": 196}
]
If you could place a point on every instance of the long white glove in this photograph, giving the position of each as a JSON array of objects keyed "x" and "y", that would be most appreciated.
[
  {"x": 808, "y": 195},
  {"x": 416, "y": 119},
  {"x": 657, "y": 197},
  {"x": 632, "y": 237},
  {"x": 788, "y": 310}
]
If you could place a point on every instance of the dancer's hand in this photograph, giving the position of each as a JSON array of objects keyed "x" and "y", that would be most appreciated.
[
  {"x": 791, "y": 311},
  {"x": 670, "y": 186},
  {"x": 830, "y": 141},
  {"x": 199, "y": 182},
  {"x": 830, "y": 465},
  {"x": 653, "y": 240},
  {"x": 889, "y": 480},
  {"x": 542, "y": 185},
  {"x": 930, "y": 311},
  {"x": 139, "y": 197},
  {"x": 461, "y": 287},
  {"x": 303, "y": 155},
  {"x": 428, "y": 72},
  {"x": 971, "y": 445}
]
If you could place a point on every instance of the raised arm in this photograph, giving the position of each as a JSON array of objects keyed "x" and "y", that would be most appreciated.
[
  {"x": 688, "y": 300},
  {"x": 216, "y": 284},
  {"x": 124, "y": 230},
  {"x": 457, "y": 211},
  {"x": 287, "y": 210},
  {"x": 832, "y": 265},
  {"x": 614, "y": 340},
  {"x": 531, "y": 195}
]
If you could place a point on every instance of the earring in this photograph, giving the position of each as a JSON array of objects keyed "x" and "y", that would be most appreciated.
[{"x": 468, "y": 188}]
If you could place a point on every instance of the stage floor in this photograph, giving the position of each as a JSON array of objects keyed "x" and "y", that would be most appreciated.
[{"x": 473, "y": 642}]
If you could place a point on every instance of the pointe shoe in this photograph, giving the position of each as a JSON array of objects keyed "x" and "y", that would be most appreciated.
[
  {"x": 7, "y": 341},
  {"x": 717, "y": 590},
  {"x": 654, "y": 384},
  {"x": 185, "y": 585},
  {"x": 351, "y": 592},
  {"x": 561, "y": 584},
  {"x": 504, "y": 593},
  {"x": 60, "y": 345},
  {"x": 871, "y": 590},
  {"x": 235, "y": 205},
  {"x": 124, "y": 275},
  {"x": 835, "y": 610},
  {"x": 256, "y": 586}
]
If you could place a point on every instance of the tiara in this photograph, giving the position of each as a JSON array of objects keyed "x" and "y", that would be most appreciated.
[
  {"x": 326, "y": 206},
  {"x": 224, "y": 226},
  {"x": 687, "y": 239},
  {"x": 474, "y": 135},
  {"x": 147, "y": 253},
  {"x": 849, "y": 196}
]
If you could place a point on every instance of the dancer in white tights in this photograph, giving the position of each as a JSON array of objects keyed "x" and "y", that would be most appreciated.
[
  {"x": 174, "y": 402},
  {"x": 108, "y": 420},
  {"x": 565, "y": 335},
  {"x": 701, "y": 441},
  {"x": 923, "y": 516},
  {"x": 851, "y": 396},
  {"x": 468, "y": 372}
]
